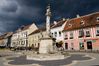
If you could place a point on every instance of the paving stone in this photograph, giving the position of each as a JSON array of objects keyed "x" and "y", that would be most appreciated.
[{"x": 23, "y": 61}]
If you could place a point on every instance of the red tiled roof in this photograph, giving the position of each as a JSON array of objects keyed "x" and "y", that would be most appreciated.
[{"x": 88, "y": 21}]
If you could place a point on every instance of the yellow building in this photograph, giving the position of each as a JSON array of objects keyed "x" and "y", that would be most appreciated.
[{"x": 35, "y": 36}]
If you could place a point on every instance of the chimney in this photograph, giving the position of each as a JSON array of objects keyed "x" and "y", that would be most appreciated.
[
  {"x": 64, "y": 19},
  {"x": 55, "y": 22},
  {"x": 78, "y": 16},
  {"x": 67, "y": 19}
]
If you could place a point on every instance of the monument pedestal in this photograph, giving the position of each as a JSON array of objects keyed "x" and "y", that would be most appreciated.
[{"x": 46, "y": 45}]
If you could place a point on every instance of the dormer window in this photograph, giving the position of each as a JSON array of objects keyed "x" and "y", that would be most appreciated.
[
  {"x": 70, "y": 25},
  {"x": 82, "y": 22},
  {"x": 97, "y": 19}
]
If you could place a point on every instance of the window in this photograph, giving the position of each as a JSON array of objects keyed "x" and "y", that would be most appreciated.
[
  {"x": 72, "y": 46},
  {"x": 71, "y": 35},
  {"x": 97, "y": 19},
  {"x": 26, "y": 34},
  {"x": 87, "y": 33},
  {"x": 81, "y": 45},
  {"x": 52, "y": 34},
  {"x": 55, "y": 34},
  {"x": 81, "y": 33},
  {"x": 70, "y": 25},
  {"x": 22, "y": 43},
  {"x": 97, "y": 32},
  {"x": 82, "y": 22},
  {"x": 59, "y": 33},
  {"x": 66, "y": 36}
]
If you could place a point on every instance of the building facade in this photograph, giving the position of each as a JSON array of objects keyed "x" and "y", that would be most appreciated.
[
  {"x": 5, "y": 40},
  {"x": 35, "y": 36},
  {"x": 57, "y": 28},
  {"x": 82, "y": 33},
  {"x": 20, "y": 37},
  {"x": 56, "y": 32}
]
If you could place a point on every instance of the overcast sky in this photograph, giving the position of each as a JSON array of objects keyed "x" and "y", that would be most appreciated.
[{"x": 14, "y": 13}]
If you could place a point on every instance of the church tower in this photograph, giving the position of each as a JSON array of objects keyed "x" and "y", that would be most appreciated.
[{"x": 48, "y": 16}]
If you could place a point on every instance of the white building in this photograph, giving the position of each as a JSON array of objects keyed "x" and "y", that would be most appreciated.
[
  {"x": 57, "y": 28},
  {"x": 20, "y": 37}
]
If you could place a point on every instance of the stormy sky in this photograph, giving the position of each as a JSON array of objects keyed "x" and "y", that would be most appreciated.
[{"x": 14, "y": 13}]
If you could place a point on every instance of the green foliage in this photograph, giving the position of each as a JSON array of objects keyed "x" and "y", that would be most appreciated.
[{"x": 61, "y": 42}]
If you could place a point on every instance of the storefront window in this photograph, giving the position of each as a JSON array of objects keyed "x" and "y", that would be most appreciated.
[{"x": 81, "y": 45}]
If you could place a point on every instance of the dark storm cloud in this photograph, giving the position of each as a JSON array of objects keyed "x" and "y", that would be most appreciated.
[
  {"x": 69, "y": 8},
  {"x": 14, "y": 13}
]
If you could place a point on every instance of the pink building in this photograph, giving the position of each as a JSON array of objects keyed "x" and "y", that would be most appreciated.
[{"x": 82, "y": 33}]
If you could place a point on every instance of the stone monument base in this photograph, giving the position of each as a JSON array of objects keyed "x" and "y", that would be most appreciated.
[
  {"x": 45, "y": 57},
  {"x": 46, "y": 45}
]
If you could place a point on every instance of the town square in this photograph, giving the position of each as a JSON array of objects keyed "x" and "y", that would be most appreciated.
[{"x": 36, "y": 33}]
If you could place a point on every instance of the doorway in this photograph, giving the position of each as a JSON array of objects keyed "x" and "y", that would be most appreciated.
[
  {"x": 89, "y": 45},
  {"x": 66, "y": 45}
]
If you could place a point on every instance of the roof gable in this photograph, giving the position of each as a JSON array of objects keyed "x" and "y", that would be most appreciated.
[{"x": 58, "y": 24}]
